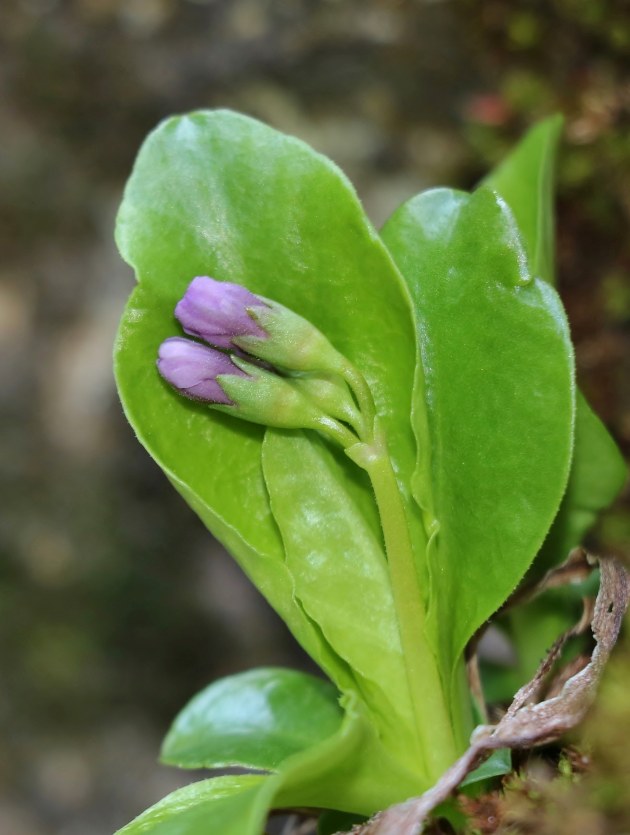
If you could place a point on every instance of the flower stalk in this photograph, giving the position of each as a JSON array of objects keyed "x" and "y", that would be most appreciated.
[{"x": 437, "y": 745}]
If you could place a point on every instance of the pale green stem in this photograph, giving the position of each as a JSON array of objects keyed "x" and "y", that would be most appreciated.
[
  {"x": 435, "y": 733},
  {"x": 431, "y": 712},
  {"x": 363, "y": 396},
  {"x": 335, "y": 430}
]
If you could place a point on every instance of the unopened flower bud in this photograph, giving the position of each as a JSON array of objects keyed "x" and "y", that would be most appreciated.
[
  {"x": 229, "y": 316},
  {"x": 217, "y": 312},
  {"x": 265, "y": 397},
  {"x": 193, "y": 369},
  {"x": 233, "y": 385}
]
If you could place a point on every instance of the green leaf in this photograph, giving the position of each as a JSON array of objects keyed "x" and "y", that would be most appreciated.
[
  {"x": 257, "y": 719},
  {"x": 497, "y": 764},
  {"x": 340, "y": 572},
  {"x": 525, "y": 180},
  {"x": 221, "y": 194},
  {"x": 332, "y": 822},
  {"x": 534, "y": 626},
  {"x": 349, "y": 771},
  {"x": 597, "y": 476},
  {"x": 495, "y": 439},
  {"x": 235, "y": 805}
]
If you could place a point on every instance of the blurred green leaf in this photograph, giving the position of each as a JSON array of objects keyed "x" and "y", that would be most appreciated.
[
  {"x": 330, "y": 822},
  {"x": 597, "y": 475},
  {"x": 257, "y": 719},
  {"x": 497, "y": 764}
]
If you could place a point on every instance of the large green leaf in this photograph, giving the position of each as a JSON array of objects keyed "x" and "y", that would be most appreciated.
[
  {"x": 340, "y": 572},
  {"x": 525, "y": 180},
  {"x": 217, "y": 193},
  {"x": 495, "y": 440},
  {"x": 350, "y": 771},
  {"x": 257, "y": 719}
]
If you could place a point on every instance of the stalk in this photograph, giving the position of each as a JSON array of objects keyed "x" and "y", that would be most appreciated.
[{"x": 431, "y": 713}]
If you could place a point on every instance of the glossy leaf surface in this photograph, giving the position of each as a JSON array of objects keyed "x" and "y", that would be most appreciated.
[
  {"x": 257, "y": 719},
  {"x": 525, "y": 180},
  {"x": 220, "y": 194},
  {"x": 340, "y": 571},
  {"x": 349, "y": 771},
  {"x": 495, "y": 441}
]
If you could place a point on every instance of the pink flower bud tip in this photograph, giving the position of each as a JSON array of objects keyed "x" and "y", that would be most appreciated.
[
  {"x": 192, "y": 369},
  {"x": 217, "y": 311}
]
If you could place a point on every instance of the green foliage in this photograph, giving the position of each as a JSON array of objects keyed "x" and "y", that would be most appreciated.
[
  {"x": 598, "y": 472},
  {"x": 229, "y": 805},
  {"x": 525, "y": 181},
  {"x": 385, "y": 560},
  {"x": 497, "y": 364},
  {"x": 262, "y": 209},
  {"x": 256, "y": 719}
]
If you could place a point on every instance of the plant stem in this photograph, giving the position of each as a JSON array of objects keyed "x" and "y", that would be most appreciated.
[
  {"x": 335, "y": 430},
  {"x": 430, "y": 709},
  {"x": 363, "y": 396}
]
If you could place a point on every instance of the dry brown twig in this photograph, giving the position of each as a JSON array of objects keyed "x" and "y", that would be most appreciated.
[{"x": 527, "y": 722}]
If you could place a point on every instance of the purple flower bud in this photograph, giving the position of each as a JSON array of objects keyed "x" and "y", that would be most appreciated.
[
  {"x": 192, "y": 369},
  {"x": 217, "y": 311}
]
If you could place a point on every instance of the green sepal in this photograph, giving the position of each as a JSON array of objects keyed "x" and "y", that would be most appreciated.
[
  {"x": 267, "y": 398},
  {"x": 292, "y": 342},
  {"x": 330, "y": 393}
]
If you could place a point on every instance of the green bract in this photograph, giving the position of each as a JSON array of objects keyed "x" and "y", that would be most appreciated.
[{"x": 386, "y": 551}]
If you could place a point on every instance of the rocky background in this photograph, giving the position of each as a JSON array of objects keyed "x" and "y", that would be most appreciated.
[{"x": 115, "y": 604}]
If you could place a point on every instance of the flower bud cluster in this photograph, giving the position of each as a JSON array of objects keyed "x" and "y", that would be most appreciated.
[{"x": 259, "y": 360}]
